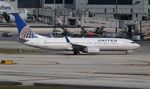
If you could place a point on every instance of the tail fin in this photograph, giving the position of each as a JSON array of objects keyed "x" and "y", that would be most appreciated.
[{"x": 23, "y": 29}]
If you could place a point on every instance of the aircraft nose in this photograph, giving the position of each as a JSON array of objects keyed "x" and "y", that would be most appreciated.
[{"x": 137, "y": 45}]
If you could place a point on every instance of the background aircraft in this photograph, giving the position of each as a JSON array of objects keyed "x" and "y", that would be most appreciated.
[{"x": 6, "y": 11}]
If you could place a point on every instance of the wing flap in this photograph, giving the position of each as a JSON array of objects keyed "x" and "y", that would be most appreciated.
[{"x": 78, "y": 47}]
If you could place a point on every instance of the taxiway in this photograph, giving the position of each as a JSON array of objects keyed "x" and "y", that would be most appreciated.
[{"x": 126, "y": 71}]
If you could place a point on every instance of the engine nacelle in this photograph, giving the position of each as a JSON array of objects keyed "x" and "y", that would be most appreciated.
[
  {"x": 92, "y": 50},
  {"x": 6, "y": 17},
  {"x": 10, "y": 18}
]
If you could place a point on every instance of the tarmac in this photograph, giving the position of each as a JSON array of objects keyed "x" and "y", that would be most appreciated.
[{"x": 55, "y": 68}]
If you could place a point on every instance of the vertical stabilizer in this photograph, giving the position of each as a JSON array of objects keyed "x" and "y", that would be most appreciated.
[
  {"x": 20, "y": 23},
  {"x": 23, "y": 29}
]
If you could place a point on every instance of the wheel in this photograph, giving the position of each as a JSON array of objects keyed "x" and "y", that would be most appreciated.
[
  {"x": 129, "y": 52},
  {"x": 76, "y": 52}
]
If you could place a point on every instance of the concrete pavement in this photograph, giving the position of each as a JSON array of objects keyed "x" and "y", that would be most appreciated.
[{"x": 126, "y": 71}]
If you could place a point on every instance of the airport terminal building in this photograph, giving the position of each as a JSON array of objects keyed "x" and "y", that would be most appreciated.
[
  {"x": 111, "y": 14},
  {"x": 120, "y": 9}
]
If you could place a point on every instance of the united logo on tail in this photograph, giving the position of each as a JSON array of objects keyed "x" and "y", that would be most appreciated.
[
  {"x": 23, "y": 29},
  {"x": 27, "y": 33}
]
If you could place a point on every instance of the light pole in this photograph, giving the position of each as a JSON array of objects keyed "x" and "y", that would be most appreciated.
[
  {"x": 64, "y": 13},
  {"x": 105, "y": 12},
  {"x": 136, "y": 15},
  {"x": 143, "y": 10},
  {"x": 135, "y": 3},
  {"x": 54, "y": 16},
  {"x": 116, "y": 16}
]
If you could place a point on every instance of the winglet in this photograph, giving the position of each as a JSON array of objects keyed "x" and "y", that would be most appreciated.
[{"x": 67, "y": 39}]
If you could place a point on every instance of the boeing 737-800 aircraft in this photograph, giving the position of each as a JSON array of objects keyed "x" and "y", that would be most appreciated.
[{"x": 77, "y": 45}]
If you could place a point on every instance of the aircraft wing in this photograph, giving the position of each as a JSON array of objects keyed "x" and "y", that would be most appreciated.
[
  {"x": 78, "y": 47},
  {"x": 88, "y": 49}
]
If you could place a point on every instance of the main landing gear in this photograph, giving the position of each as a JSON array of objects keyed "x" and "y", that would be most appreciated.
[
  {"x": 128, "y": 52},
  {"x": 76, "y": 52}
]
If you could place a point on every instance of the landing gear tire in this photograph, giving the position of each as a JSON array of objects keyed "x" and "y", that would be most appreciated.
[
  {"x": 128, "y": 52},
  {"x": 76, "y": 52}
]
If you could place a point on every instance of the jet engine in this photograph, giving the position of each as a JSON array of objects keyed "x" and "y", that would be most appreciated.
[
  {"x": 6, "y": 17},
  {"x": 10, "y": 18},
  {"x": 92, "y": 50}
]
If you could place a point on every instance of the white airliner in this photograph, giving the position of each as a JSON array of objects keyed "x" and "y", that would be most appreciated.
[
  {"x": 77, "y": 45},
  {"x": 8, "y": 9}
]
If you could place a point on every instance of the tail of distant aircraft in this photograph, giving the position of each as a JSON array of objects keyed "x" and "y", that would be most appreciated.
[{"x": 23, "y": 29}]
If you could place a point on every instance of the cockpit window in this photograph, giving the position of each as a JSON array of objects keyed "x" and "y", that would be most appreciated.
[{"x": 133, "y": 42}]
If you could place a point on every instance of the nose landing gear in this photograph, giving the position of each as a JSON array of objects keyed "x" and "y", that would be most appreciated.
[{"x": 76, "y": 52}]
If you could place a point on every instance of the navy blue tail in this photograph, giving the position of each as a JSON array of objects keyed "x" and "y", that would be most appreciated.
[
  {"x": 23, "y": 30},
  {"x": 19, "y": 22}
]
